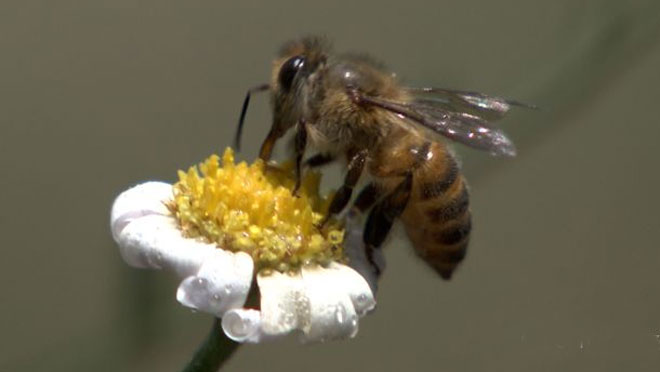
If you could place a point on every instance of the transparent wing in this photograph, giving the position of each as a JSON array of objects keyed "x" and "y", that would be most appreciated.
[
  {"x": 436, "y": 118},
  {"x": 487, "y": 107}
]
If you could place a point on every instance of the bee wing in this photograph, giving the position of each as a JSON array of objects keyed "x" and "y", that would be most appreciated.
[
  {"x": 487, "y": 107},
  {"x": 436, "y": 118}
]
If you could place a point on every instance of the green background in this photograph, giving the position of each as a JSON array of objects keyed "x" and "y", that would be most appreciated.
[{"x": 563, "y": 270}]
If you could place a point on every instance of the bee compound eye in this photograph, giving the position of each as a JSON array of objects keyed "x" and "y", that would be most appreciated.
[{"x": 288, "y": 71}]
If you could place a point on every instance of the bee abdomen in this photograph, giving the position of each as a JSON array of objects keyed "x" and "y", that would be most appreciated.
[
  {"x": 452, "y": 210},
  {"x": 438, "y": 187},
  {"x": 445, "y": 261},
  {"x": 442, "y": 239},
  {"x": 455, "y": 233},
  {"x": 438, "y": 222}
]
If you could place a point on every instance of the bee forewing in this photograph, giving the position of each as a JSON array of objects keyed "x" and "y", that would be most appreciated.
[
  {"x": 487, "y": 107},
  {"x": 462, "y": 127}
]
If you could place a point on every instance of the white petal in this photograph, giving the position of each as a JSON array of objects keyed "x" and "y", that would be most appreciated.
[
  {"x": 222, "y": 283},
  {"x": 148, "y": 237},
  {"x": 331, "y": 313},
  {"x": 243, "y": 325},
  {"x": 144, "y": 199},
  {"x": 355, "y": 286},
  {"x": 322, "y": 303},
  {"x": 154, "y": 241},
  {"x": 284, "y": 306}
]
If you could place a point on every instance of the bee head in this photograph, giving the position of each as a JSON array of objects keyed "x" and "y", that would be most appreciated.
[
  {"x": 295, "y": 72},
  {"x": 291, "y": 85}
]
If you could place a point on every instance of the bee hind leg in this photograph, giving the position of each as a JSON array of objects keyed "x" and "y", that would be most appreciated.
[
  {"x": 366, "y": 199},
  {"x": 382, "y": 217}
]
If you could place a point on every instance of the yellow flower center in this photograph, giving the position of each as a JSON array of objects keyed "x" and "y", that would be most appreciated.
[{"x": 251, "y": 209}]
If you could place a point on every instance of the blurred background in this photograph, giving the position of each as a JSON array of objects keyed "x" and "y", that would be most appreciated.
[{"x": 563, "y": 272}]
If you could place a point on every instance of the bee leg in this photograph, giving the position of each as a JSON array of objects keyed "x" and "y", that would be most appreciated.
[
  {"x": 319, "y": 160},
  {"x": 382, "y": 217},
  {"x": 267, "y": 146},
  {"x": 299, "y": 147},
  {"x": 343, "y": 195},
  {"x": 366, "y": 198}
]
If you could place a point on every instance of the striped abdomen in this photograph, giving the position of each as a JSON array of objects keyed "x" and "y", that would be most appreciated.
[{"x": 437, "y": 218}]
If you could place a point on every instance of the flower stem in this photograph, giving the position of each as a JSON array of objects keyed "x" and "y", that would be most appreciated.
[{"x": 214, "y": 352}]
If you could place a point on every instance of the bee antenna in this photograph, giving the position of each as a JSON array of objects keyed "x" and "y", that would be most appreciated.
[{"x": 241, "y": 119}]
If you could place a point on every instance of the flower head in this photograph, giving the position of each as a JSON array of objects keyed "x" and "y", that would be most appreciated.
[
  {"x": 234, "y": 224},
  {"x": 244, "y": 209}
]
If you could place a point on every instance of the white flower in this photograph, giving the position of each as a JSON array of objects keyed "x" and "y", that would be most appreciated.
[{"x": 320, "y": 303}]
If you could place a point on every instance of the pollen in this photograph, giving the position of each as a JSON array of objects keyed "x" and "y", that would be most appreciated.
[{"x": 251, "y": 208}]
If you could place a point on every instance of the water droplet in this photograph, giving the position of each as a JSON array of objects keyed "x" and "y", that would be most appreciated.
[
  {"x": 228, "y": 290},
  {"x": 288, "y": 319},
  {"x": 340, "y": 315},
  {"x": 302, "y": 311},
  {"x": 354, "y": 321},
  {"x": 240, "y": 327}
]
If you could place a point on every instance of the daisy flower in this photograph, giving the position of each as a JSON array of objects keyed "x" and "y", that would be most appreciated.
[{"x": 232, "y": 231}]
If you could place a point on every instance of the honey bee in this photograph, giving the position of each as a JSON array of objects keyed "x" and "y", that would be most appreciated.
[{"x": 350, "y": 108}]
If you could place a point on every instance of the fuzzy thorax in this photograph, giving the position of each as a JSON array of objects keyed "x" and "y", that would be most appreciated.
[{"x": 249, "y": 208}]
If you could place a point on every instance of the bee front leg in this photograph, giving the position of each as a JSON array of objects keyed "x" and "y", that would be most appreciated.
[
  {"x": 299, "y": 147},
  {"x": 267, "y": 146},
  {"x": 382, "y": 217},
  {"x": 343, "y": 195}
]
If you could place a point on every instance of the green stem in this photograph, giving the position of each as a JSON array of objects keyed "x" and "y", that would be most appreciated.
[{"x": 214, "y": 352}]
